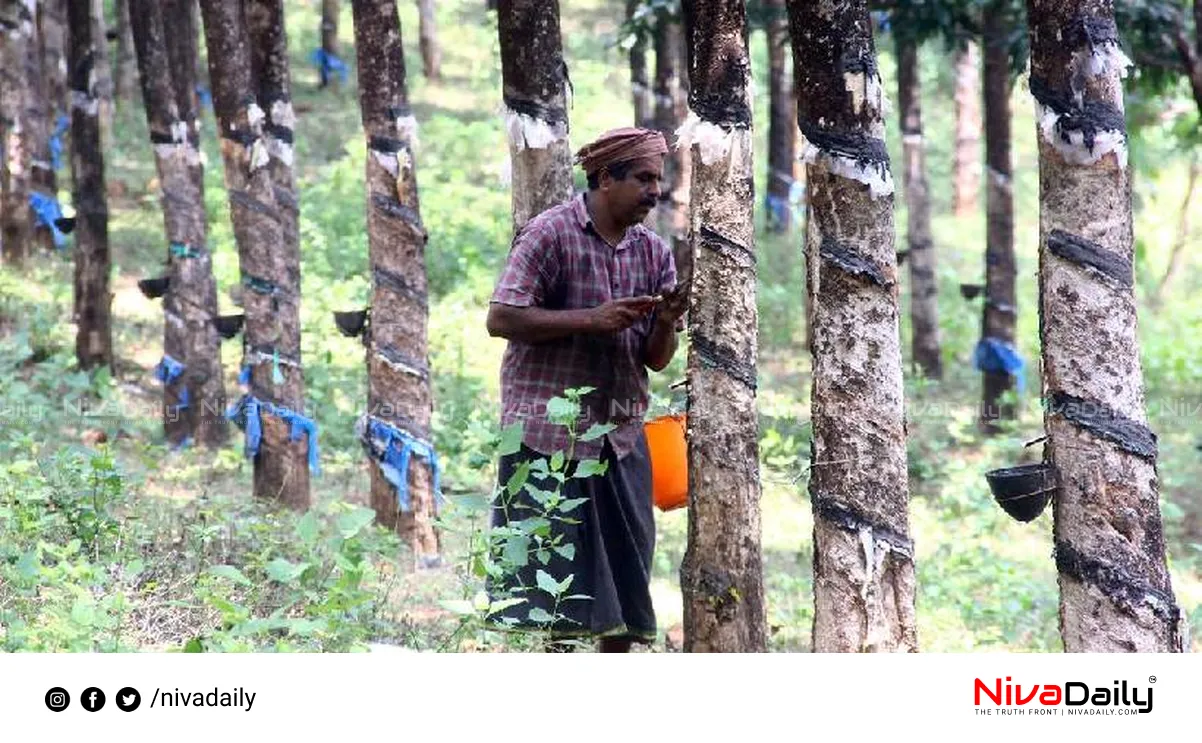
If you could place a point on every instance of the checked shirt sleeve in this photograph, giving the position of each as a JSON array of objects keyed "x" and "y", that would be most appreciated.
[{"x": 530, "y": 270}]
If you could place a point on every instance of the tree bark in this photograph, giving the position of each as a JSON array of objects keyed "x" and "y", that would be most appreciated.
[
  {"x": 863, "y": 553},
  {"x": 966, "y": 162},
  {"x": 721, "y": 576},
  {"x": 126, "y": 79},
  {"x": 782, "y": 119},
  {"x": 161, "y": 30},
  {"x": 93, "y": 300},
  {"x": 329, "y": 33},
  {"x": 398, "y": 368},
  {"x": 52, "y": 27},
  {"x": 534, "y": 81},
  {"x": 427, "y": 31},
  {"x": 924, "y": 303},
  {"x": 16, "y": 223},
  {"x": 1115, "y": 590},
  {"x": 270, "y": 276},
  {"x": 1000, "y": 311},
  {"x": 102, "y": 67},
  {"x": 671, "y": 108},
  {"x": 640, "y": 90}
]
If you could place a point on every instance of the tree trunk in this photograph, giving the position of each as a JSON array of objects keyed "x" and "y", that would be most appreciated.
[
  {"x": 427, "y": 31},
  {"x": 671, "y": 108},
  {"x": 721, "y": 576},
  {"x": 1184, "y": 228},
  {"x": 924, "y": 304},
  {"x": 1115, "y": 590},
  {"x": 640, "y": 91},
  {"x": 1000, "y": 311},
  {"x": 329, "y": 34},
  {"x": 126, "y": 78},
  {"x": 94, "y": 338},
  {"x": 194, "y": 403},
  {"x": 782, "y": 120},
  {"x": 534, "y": 87},
  {"x": 52, "y": 26},
  {"x": 966, "y": 162},
  {"x": 16, "y": 224},
  {"x": 41, "y": 117},
  {"x": 398, "y": 369},
  {"x": 270, "y": 276},
  {"x": 863, "y": 554},
  {"x": 102, "y": 66}
]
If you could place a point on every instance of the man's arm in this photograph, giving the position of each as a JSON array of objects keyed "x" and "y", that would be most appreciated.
[
  {"x": 538, "y": 325},
  {"x": 661, "y": 344}
]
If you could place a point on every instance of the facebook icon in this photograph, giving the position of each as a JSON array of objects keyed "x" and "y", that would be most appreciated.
[{"x": 92, "y": 699}]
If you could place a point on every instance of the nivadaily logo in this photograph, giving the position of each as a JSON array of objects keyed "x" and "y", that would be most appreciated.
[{"x": 1070, "y": 697}]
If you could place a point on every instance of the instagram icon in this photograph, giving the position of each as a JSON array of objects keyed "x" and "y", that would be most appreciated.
[{"x": 57, "y": 699}]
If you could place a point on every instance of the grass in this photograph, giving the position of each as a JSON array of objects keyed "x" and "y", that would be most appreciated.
[{"x": 985, "y": 582}]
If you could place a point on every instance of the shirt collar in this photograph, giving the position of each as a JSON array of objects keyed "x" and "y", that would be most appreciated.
[{"x": 585, "y": 220}]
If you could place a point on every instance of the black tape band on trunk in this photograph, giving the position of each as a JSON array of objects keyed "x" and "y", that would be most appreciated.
[
  {"x": 849, "y": 519},
  {"x": 540, "y": 111},
  {"x": 719, "y": 243},
  {"x": 387, "y": 144},
  {"x": 852, "y": 263},
  {"x": 398, "y": 112},
  {"x": 852, "y": 145},
  {"x": 722, "y": 109},
  {"x": 396, "y": 356},
  {"x": 1089, "y": 118},
  {"x": 397, "y": 210},
  {"x": 1091, "y": 255},
  {"x": 244, "y": 137},
  {"x": 161, "y": 138},
  {"x": 714, "y": 355},
  {"x": 246, "y": 201},
  {"x": 1115, "y": 583},
  {"x": 282, "y": 133},
  {"x": 1130, "y": 436},
  {"x": 396, "y": 283}
]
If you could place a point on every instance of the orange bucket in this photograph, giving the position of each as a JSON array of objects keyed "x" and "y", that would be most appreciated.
[{"x": 669, "y": 461}]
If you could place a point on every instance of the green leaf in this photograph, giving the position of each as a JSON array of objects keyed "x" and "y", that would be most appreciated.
[
  {"x": 557, "y": 461},
  {"x": 540, "y": 616},
  {"x": 511, "y": 440},
  {"x": 28, "y": 565},
  {"x": 230, "y": 572},
  {"x": 571, "y": 504},
  {"x": 194, "y": 646},
  {"x": 134, "y": 567},
  {"x": 459, "y": 607},
  {"x": 350, "y": 524},
  {"x": 567, "y": 551},
  {"x": 516, "y": 551},
  {"x": 283, "y": 571},
  {"x": 562, "y": 412},
  {"x": 503, "y": 604},
  {"x": 543, "y": 497},
  {"x": 563, "y": 584},
  {"x": 547, "y": 583},
  {"x": 590, "y": 467},
  {"x": 596, "y": 431},
  {"x": 83, "y": 611},
  {"x": 307, "y": 528},
  {"x": 543, "y": 556},
  {"x": 520, "y": 474}
]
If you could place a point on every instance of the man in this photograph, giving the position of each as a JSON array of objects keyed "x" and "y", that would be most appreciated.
[{"x": 588, "y": 298}]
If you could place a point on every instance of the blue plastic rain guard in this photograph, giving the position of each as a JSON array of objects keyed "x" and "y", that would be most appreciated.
[{"x": 394, "y": 455}]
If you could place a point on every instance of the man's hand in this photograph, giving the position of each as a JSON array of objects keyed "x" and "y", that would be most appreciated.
[
  {"x": 617, "y": 315},
  {"x": 673, "y": 304}
]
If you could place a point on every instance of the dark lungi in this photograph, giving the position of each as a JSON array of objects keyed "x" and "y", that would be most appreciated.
[{"x": 614, "y": 544}]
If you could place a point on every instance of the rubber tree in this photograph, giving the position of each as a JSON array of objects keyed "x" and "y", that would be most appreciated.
[
  {"x": 534, "y": 80},
  {"x": 721, "y": 575},
  {"x": 93, "y": 298},
  {"x": 782, "y": 118},
  {"x": 671, "y": 109},
  {"x": 329, "y": 35},
  {"x": 920, "y": 247},
  {"x": 126, "y": 78},
  {"x": 399, "y": 396},
  {"x": 194, "y": 397},
  {"x": 427, "y": 32},
  {"x": 966, "y": 158},
  {"x": 1115, "y": 590},
  {"x": 863, "y": 553},
  {"x": 16, "y": 223},
  {"x": 259, "y": 212},
  {"x": 640, "y": 88}
]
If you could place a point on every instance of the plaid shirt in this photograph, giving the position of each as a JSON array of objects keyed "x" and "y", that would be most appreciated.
[{"x": 558, "y": 261}]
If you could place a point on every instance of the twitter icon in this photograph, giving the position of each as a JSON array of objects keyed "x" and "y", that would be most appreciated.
[{"x": 128, "y": 699}]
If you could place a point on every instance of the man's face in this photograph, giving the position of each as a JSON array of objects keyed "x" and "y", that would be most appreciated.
[{"x": 631, "y": 199}]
